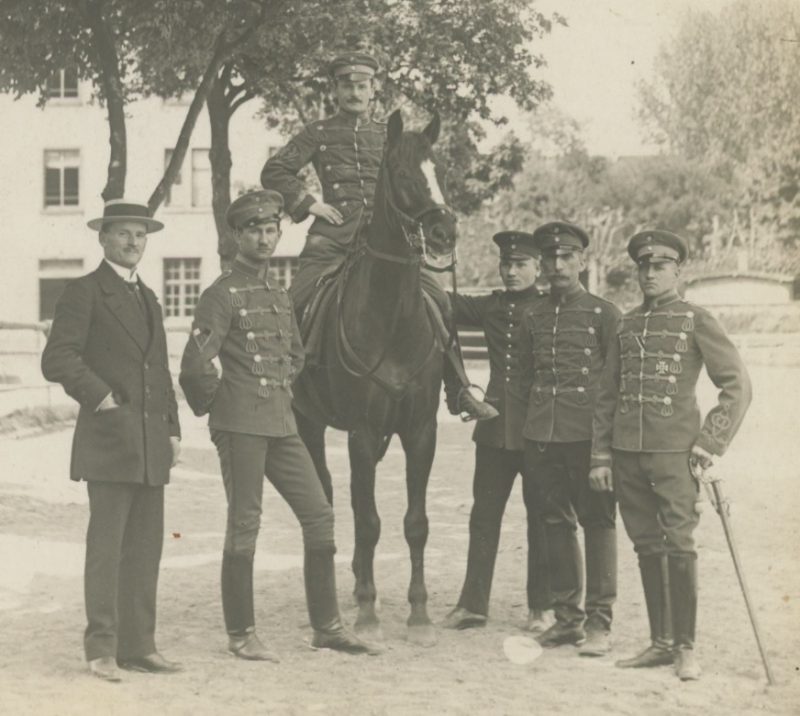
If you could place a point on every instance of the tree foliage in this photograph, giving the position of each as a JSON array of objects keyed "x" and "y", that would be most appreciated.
[{"x": 725, "y": 95}]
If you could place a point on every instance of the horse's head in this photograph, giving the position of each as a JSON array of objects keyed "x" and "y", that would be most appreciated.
[{"x": 415, "y": 183}]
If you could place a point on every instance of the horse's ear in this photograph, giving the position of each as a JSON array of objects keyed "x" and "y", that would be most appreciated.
[
  {"x": 432, "y": 130},
  {"x": 395, "y": 128}
]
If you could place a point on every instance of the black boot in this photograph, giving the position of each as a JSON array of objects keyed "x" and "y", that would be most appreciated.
[
  {"x": 683, "y": 595},
  {"x": 655, "y": 581},
  {"x": 323, "y": 608},
  {"x": 237, "y": 607}
]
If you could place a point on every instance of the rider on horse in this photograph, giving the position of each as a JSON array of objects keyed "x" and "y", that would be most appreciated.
[{"x": 346, "y": 152}]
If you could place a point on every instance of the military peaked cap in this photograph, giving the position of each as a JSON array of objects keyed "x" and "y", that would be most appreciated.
[
  {"x": 355, "y": 65},
  {"x": 254, "y": 208},
  {"x": 656, "y": 246},
  {"x": 516, "y": 244},
  {"x": 560, "y": 237}
]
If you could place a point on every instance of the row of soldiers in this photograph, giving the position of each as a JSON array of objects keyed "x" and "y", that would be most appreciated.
[{"x": 591, "y": 407}]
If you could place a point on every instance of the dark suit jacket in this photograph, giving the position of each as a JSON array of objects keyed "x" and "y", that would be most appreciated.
[{"x": 99, "y": 345}]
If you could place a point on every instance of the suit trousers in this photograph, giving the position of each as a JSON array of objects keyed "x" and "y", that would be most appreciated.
[
  {"x": 495, "y": 472},
  {"x": 561, "y": 475},
  {"x": 245, "y": 460},
  {"x": 123, "y": 552}
]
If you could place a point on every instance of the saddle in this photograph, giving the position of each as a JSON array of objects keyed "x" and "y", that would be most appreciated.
[
  {"x": 326, "y": 292},
  {"x": 312, "y": 325}
]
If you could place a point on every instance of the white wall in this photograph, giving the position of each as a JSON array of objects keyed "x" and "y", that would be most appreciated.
[
  {"x": 30, "y": 232},
  {"x": 736, "y": 291}
]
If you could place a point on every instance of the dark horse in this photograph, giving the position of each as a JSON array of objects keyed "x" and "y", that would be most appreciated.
[{"x": 381, "y": 367}]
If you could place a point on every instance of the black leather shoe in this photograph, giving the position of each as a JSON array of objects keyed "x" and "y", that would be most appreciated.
[
  {"x": 461, "y": 618},
  {"x": 105, "y": 668},
  {"x": 152, "y": 664},
  {"x": 340, "y": 639},
  {"x": 249, "y": 647},
  {"x": 559, "y": 634},
  {"x": 653, "y": 655},
  {"x": 474, "y": 409}
]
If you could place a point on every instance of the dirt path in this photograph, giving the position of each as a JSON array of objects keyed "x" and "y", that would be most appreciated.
[{"x": 42, "y": 523}]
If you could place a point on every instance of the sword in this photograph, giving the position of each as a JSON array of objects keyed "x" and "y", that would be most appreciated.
[{"x": 713, "y": 487}]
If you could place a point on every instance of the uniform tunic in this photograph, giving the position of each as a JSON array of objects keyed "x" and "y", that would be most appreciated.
[
  {"x": 499, "y": 315},
  {"x": 346, "y": 152},
  {"x": 648, "y": 401},
  {"x": 562, "y": 348},
  {"x": 251, "y": 326}
]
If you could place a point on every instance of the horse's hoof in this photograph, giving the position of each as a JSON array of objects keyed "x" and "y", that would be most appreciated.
[
  {"x": 422, "y": 635},
  {"x": 370, "y": 633}
]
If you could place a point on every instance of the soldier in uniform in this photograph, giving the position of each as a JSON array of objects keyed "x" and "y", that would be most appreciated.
[
  {"x": 647, "y": 429},
  {"x": 248, "y": 323},
  {"x": 108, "y": 349},
  {"x": 346, "y": 151},
  {"x": 563, "y": 344},
  {"x": 498, "y": 449}
]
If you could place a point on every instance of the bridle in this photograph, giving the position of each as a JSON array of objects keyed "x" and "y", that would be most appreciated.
[{"x": 411, "y": 226}]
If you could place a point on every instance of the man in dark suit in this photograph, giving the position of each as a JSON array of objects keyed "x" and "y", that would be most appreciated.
[{"x": 108, "y": 349}]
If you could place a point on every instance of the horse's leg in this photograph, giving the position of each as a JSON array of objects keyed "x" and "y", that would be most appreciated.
[
  {"x": 313, "y": 435},
  {"x": 363, "y": 448},
  {"x": 419, "y": 447}
]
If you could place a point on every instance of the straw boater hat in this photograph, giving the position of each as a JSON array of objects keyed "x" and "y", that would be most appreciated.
[{"x": 125, "y": 210}]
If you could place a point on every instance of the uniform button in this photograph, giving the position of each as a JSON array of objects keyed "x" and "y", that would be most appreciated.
[
  {"x": 250, "y": 335},
  {"x": 591, "y": 330},
  {"x": 322, "y": 147},
  {"x": 508, "y": 335},
  {"x": 585, "y": 370},
  {"x": 147, "y": 390},
  {"x": 682, "y": 336},
  {"x": 146, "y": 365},
  {"x": 581, "y": 389},
  {"x": 257, "y": 358},
  {"x": 242, "y": 311},
  {"x": 511, "y": 304},
  {"x": 597, "y": 309},
  {"x": 508, "y": 380},
  {"x": 262, "y": 381},
  {"x": 508, "y": 355},
  {"x": 676, "y": 357},
  {"x": 667, "y": 401},
  {"x": 587, "y": 351},
  {"x": 144, "y": 413}
]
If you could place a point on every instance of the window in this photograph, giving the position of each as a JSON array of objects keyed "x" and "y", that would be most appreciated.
[
  {"x": 181, "y": 286},
  {"x": 53, "y": 276},
  {"x": 283, "y": 270},
  {"x": 197, "y": 193},
  {"x": 61, "y": 177},
  {"x": 63, "y": 84}
]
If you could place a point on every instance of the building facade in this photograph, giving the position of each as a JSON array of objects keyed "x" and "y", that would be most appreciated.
[{"x": 54, "y": 168}]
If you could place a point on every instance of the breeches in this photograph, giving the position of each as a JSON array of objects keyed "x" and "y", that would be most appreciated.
[
  {"x": 245, "y": 460},
  {"x": 657, "y": 500}
]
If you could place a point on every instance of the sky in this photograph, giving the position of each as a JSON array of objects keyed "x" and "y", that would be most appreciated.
[{"x": 595, "y": 63}]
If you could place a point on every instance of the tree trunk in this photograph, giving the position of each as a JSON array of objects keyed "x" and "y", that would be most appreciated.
[
  {"x": 104, "y": 46},
  {"x": 220, "y": 157}
]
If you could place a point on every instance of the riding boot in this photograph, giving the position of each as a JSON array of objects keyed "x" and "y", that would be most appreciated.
[
  {"x": 323, "y": 608},
  {"x": 653, "y": 569},
  {"x": 457, "y": 389},
  {"x": 683, "y": 595},
  {"x": 237, "y": 593}
]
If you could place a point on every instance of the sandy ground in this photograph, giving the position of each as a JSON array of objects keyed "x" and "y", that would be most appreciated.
[{"x": 43, "y": 518}]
